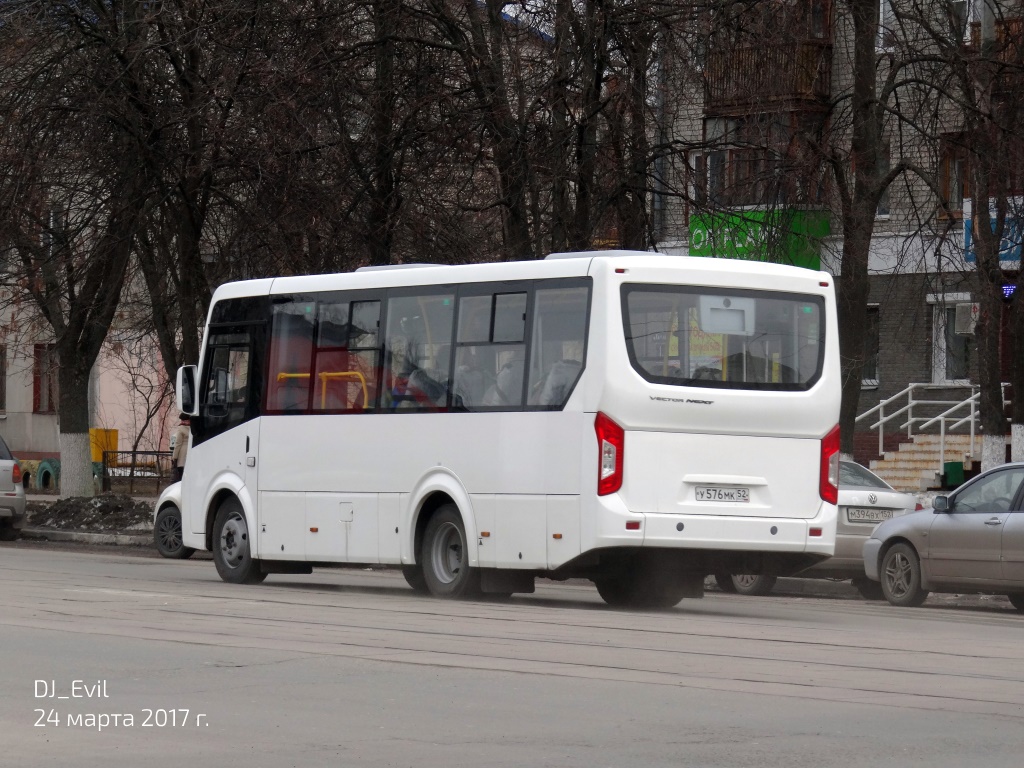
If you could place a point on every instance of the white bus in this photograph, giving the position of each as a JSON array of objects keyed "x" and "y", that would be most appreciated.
[{"x": 635, "y": 419}]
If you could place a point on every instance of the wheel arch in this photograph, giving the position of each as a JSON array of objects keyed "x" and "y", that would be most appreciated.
[
  {"x": 218, "y": 496},
  {"x": 890, "y": 543},
  {"x": 434, "y": 491}
]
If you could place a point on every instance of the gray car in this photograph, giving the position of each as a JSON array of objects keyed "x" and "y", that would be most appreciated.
[
  {"x": 969, "y": 541},
  {"x": 865, "y": 500},
  {"x": 12, "y": 495}
]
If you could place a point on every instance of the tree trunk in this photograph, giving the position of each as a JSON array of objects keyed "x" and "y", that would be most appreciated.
[
  {"x": 852, "y": 299},
  {"x": 76, "y": 470}
]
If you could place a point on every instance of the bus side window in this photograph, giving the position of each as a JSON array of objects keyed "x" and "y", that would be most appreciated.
[
  {"x": 559, "y": 340},
  {"x": 346, "y": 356},
  {"x": 417, "y": 351},
  {"x": 225, "y": 394},
  {"x": 291, "y": 353},
  {"x": 490, "y": 358}
]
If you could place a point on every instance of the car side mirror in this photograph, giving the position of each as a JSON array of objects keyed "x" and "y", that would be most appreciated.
[{"x": 940, "y": 504}]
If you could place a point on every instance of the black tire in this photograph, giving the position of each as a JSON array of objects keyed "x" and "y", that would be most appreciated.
[
  {"x": 755, "y": 586},
  {"x": 232, "y": 553},
  {"x": 868, "y": 589},
  {"x": 1017, "y": 601},
  {"x": 9, "y": 532},
  {"x": 167, "y": 532},
  {"x": 445, "y": 556},
  {"x": 647, "y": 583},
  {"x": 901, "y": 576},
  {"x": 724, "y": 582},
  {"x": 414, "y": 578}
]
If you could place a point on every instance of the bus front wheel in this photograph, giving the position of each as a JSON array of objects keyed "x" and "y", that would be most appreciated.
[
  {"x": 445, "y": 556},
  {"x": 232, "y": 551}
]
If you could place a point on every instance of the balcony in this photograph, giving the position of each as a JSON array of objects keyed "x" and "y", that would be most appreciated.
[
  {"x": 1006, "y": 57},
  {"x": 768, "y": 77}
]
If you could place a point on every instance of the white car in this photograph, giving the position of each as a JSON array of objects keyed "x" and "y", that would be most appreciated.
[
  {"x": 167, "y": 528},
  {"x": 865, "y": 500}
]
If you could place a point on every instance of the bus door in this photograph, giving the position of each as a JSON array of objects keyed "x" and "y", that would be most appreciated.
[{"x": 225, "y": 436}]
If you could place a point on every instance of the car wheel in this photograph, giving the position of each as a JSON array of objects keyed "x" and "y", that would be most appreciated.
[
  {"x": 414, "y": 578},
  {"x": 748, "y": 584},
  {"x": 445, "y": 556},
  {"x": 167, "y": 534},
  {"x": 8, "y": 532},
  {"x": 724, "y": 582},
  {"x": 1017, "y": 601},
  {"x": 869, "y": 590},
  {"x": 901, "y": 577},
  {"x": 232, "y": 553}
]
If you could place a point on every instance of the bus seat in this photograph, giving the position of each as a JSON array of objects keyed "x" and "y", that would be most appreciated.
[
  {"x": 508, "y": 387},
  {"x": 558, "y": 381},
  {"x": 469, "y": 386},
  {"x": 422, "y": 383}
]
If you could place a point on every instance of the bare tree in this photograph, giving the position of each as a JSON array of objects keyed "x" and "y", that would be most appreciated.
[{"x": 72, "y": 194}]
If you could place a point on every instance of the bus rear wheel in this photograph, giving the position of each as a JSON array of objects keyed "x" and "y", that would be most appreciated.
[
  {"x": 232, "y": 551},
  {"x": 414, "y": 578},
  {"x": 445, "y": 556},
  {"x": 646, "y": 583}
]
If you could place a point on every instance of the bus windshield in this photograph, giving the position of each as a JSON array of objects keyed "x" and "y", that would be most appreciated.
[{"x": 724, "y": 338}]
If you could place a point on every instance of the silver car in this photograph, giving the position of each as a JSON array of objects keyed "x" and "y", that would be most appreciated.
[
  {"x": 970, "y": 541},
  {"x": 12, "y": 495},
  {"x": 865, "y": 500}
]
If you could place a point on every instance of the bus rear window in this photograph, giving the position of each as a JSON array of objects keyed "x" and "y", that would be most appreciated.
[{"x": 724, "y": 338}]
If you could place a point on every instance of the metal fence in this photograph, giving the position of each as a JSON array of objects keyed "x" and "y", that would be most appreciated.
[{"x": 136, "y": 471}]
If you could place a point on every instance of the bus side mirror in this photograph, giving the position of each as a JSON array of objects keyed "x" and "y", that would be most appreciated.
[
  {"x": 940, "y": 503},
  {"x": 185, "y": 390}
]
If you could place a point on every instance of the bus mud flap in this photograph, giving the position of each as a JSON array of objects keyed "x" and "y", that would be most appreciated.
[{"x": 506, "y": 581}]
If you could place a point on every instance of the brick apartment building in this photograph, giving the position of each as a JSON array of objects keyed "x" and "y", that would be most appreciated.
[{"x": 769, "y": 87}]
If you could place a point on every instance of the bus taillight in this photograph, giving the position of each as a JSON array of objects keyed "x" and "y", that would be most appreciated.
[
  {"x": 828, "y": 482},
  {"x": 611, "y": 441}
]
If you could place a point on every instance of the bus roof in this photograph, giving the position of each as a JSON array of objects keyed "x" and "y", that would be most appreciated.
[{"x": 573, "y": 264}]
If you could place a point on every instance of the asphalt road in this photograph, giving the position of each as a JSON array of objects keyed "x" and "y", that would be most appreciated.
[{"x": 350, "y": 668}]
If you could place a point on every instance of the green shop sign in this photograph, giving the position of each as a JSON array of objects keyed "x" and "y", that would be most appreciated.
[{"x": 783, "y": 237}]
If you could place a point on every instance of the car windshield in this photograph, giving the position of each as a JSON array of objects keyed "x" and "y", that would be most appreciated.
[
  {"x": 855, "y": 476},
  {"x": 5, "y": 453}
]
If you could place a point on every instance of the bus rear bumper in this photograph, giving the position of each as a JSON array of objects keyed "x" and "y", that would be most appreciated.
[
  {"x": 813, "y": 539},
  {"x": 754, "y": 534}
]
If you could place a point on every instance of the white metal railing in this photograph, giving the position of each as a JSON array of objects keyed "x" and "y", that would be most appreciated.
[
  {"x": 972, "y": 417},
  {"x": 923, "y": 422},
  {"x": 908, "y": 409}
]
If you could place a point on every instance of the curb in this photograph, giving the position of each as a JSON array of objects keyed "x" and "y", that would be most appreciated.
[{"x": 120, "y": 539}]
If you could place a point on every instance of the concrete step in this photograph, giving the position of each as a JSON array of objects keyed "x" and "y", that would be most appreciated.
[
  {"x": 904, "y": 480},
  {"x": 915, "y": 461}
]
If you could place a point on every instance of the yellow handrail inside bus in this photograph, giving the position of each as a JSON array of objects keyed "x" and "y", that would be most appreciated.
[
  {"x": 327, "y": 375},
  {"x": 283, "y": 376}
]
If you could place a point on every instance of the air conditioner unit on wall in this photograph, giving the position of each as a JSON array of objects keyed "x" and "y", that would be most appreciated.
[{"x": 966, "y": 319}]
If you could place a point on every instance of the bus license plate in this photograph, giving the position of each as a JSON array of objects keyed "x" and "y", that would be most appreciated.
[
  {"x": 714, "y": 493},
  {"x": 855, "y": 515}
]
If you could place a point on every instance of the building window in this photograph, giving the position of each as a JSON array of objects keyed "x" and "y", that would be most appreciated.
[
  {"x": 44, "y": 379},
  {"x": 887, "y": 25},
  {"x": 869, "y": 371},
  {"x": 884, "y": 166},
  {"x": 3, "y": 378},
  {"x": 951, "y": 350},
  {"x": 953, "y": 177},
  {"x": 961, "y": 15}
]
